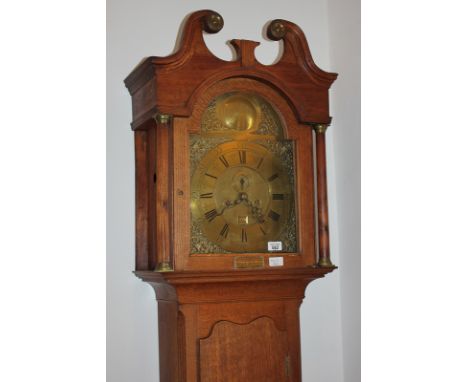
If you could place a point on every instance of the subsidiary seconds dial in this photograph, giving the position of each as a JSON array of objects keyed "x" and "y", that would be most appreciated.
[{"x": 241, "y": 196}]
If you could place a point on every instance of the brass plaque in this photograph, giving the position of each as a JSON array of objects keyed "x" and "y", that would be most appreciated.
[{"x": 248, "y": 262}]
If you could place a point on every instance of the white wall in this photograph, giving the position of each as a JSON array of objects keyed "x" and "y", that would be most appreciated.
[
  {"x": 143, "y": 28},
  {"x": 344, "y": 142}
]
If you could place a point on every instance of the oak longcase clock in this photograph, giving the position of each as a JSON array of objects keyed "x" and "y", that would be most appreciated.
[{"x": 231, "y": 201}]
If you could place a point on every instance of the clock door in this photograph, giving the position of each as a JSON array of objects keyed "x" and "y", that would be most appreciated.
[
  {"x": 256, "y": 351},
  {"x": 244, "y": 157}
]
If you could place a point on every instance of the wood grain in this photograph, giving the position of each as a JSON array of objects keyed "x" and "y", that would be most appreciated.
[
  {"x": 322, "y": 201},
  {"x": 227, "y": 354},
  {"x": 163, "y": 194},
  {"x": 142, "y": 202},
  {"x": 205, "y": 299}
]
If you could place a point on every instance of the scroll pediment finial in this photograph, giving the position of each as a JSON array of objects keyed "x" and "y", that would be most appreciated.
[
  {"x": 276, "y": 30},
  {"x": 213, "y": 22}
]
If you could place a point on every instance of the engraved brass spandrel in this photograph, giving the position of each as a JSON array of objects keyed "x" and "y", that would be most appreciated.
[
  {"x": 200, "y": 146},
  {"x": 199, "y": 242}
]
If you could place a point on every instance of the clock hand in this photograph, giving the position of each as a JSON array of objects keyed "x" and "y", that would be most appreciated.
[
  {"x": 243, "y": 198},
  {"x": 228, "y": 204},
  {"x": 256, "y": 211}
]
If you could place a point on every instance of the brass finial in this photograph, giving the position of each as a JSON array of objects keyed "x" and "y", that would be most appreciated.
[
  {"x": 162, "y": 118},
  {"x": 320, "y": 128},
  {"x": 276, "y": 30},
  {"x": 164, "y": 266},
  {"x": 213, "y": 22}
]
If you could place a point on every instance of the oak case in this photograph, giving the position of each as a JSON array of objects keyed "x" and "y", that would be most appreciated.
[{"x": 219, "y": 321}]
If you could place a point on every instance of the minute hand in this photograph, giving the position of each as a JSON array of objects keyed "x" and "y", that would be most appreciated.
[{"x": 256, "y": 211}]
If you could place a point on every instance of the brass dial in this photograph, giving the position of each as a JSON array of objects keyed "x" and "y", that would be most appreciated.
[{"x": 241, "y": 196}]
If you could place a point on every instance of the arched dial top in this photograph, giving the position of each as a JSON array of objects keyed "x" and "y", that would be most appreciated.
[{"x": 242, "y": 185}]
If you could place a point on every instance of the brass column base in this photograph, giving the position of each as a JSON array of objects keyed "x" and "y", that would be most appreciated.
[
  {"x": 164, "y": 267},
  {"x": 326, "y": 263}
]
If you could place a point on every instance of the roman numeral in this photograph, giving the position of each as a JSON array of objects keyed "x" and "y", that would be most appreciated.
[
  {"x": 260, "y": 162},
  {"x": 244, "y": 235},
  {"x": 273, "y": 215},
  {"x": 207, "y": 195},
  {"x": 242, "y": 156},
  {"x": 211, "y": 176},
  {"x": 261, "y": 229},
  {"x": 224, "y": 161},
  {"x": 278, "y": 197},
  {"x": 224, "y": 232},
  {"x": 273, "y": 177},
  {"x": 210, "y": 215}
]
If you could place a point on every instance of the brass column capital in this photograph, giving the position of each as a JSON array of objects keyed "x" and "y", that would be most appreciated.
[
  {"x": 162, "y": 118},
  {"x": 320, "y": 128}
]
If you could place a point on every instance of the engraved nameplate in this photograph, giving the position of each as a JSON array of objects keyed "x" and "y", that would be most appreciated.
[{"x": 247, "y": 262}]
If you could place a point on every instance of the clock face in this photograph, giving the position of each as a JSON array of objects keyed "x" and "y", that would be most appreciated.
[
  {"x": 242, "y": 196},
  {"x": 242, "y": 179}
]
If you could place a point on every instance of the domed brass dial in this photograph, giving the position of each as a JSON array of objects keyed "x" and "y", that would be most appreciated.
[{"x": 241, "y": 196}]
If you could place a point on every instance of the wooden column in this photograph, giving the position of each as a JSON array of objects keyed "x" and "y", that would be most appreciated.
[
  {"x": 322, "y": 200},
  {"x": 142, "y": 197},
  {"x": 163, "y": 194}
]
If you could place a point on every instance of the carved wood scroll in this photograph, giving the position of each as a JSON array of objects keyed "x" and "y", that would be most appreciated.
[{"x": 170, "y": 85}]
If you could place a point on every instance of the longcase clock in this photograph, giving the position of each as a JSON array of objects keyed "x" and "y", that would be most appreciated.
[{"x": 231, "y": 201}]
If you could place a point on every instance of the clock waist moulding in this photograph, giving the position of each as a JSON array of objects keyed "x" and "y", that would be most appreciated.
[{"x": 232, "y": 313}]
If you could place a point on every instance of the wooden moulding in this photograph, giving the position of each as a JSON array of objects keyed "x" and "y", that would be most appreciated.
[{"x": 187, "y": 283}]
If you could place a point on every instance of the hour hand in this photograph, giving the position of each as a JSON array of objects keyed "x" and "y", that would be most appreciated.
[{"x": 228, "y": 204}]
